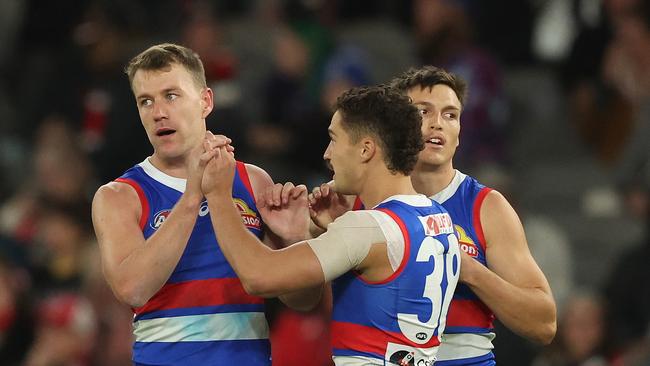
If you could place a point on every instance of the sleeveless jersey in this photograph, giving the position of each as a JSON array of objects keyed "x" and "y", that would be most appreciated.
[
  {"x": 399, "y": 321},
  {"x": 202, "y": 315},
  {"x": 469, "y": 332}
]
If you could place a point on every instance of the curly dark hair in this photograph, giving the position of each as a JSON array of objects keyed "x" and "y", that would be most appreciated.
[
  {"x": 387, "y": 115},
  {"x": 428, "y": 77},
  {"x": 163, "y": 55}
]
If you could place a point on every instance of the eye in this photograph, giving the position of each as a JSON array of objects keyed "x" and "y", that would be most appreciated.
[
  {"x": 450, "y": 115},
  {"x": 423, "y": 111},
  {"x": 171, "y": 96},
  {"x": 145, "y": 102}
]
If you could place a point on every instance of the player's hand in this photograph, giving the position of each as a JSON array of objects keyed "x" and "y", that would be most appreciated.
[
  {"x": 325, "y": 205},
  {"x": 219, "y": 170},
  {"x": 199, "y": 159},
  {"x": 285, "y": 211}
]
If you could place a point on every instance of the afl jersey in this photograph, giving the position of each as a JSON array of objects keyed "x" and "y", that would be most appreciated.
[
  {"x": 469, "y": 332},
  {"x": 202, "y": 315},
  {"x": 399, "y": 321}
]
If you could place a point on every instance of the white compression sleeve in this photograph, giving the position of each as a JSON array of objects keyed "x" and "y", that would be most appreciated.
[{"x": 347, "y": 241}]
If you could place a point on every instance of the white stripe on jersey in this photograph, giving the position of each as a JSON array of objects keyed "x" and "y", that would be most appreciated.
[
  {"x": 206, "y": 327},
  {"x": 357, "y": 361},
  {"x": 464, "y": 345}
]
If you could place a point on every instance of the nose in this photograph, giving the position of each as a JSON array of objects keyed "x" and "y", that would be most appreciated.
[
  {"x": 159, "y": 112},
  {"x": 434, "y": 122},
  {"x": 327, "y": 154}
]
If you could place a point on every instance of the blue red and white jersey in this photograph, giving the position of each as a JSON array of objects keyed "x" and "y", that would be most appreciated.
[
  {"x": 202, "y": 315},
  {"x": 469, "y": 332},
  {"x": 399, "y": 321}
]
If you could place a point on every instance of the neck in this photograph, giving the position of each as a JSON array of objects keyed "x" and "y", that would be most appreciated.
[
  {"x": 378, "y": 188},
  {"x": 430, "y": 180},
  {"x": 175, "y": 167}
]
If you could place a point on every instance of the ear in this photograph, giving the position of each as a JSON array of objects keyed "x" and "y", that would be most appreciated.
[
  {"x": 207, "y": 102},
  {"x": 368, "y": 149}
]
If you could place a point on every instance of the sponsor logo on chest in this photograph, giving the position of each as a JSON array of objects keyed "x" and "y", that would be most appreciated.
[
  {"x": 249, "y": 217},
  {"x": 437, "y": 224},
  {"x": 465, "y": 242}
]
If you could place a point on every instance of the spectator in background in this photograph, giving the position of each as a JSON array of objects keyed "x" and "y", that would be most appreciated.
[
  {"x": 443, "y": 33},
  {"x": 204, "y": 33},
  {"x": 290, "y": 95},
  {"x": 65, "y": 332},
  {"x": 61, "y": 174},
  {"x": 60, "y": 252},
  {"x": 581, "y": 335},
  {"x": 345, "y": 68},
  {"x": 607, "y": 77},
  {"x": 16, "y": 322},
  {"x": 627, "y": 293}
]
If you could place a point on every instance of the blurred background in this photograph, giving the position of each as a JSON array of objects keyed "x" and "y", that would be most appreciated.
[{"x": 558, "y": 119}]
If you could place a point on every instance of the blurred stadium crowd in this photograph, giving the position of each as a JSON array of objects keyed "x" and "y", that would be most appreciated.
[{"x": 558, "y": 119}]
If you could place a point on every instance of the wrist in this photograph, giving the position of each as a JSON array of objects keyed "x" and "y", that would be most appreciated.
[
  {"x": 295, "y": 238},
  {"x": 191, "y": 201},
  {"x": 216, "y": 198}
]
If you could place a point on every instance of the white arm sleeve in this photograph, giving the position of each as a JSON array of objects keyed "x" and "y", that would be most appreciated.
[{"x": 347, "y": 241}]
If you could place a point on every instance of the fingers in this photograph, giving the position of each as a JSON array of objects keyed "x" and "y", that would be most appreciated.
[
  {"x": 298, "y": 191},
  {"x": 287, "y": 192},
  {"x": 318, "y": 193},
  {"x": 271, "y": 196},
  {"x": 208, "y": 155},
  {"x": 217, "y": 140},
  {"x": 325, "y": 188},
  {"x": 212, "y": 141},
  {"x": 314, "y": 196},
  {"x": 279, "y": 195}
]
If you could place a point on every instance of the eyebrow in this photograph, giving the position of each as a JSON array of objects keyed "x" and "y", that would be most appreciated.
[
  {"x": 165, "y": 91},
  {"x": 446, "y": 107}
]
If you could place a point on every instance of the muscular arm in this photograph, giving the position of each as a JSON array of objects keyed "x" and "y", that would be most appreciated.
[
  {"x": 304, "y": 299},
  {"x": 263, "y": 271},
  {"x": 512, "y": 286},
  {"x": 136, "y": 268}
]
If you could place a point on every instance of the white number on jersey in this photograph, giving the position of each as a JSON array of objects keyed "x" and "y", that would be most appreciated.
[{"x": 415, "y": 330}]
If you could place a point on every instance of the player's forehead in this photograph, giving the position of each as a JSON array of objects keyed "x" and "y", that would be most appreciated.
[
  {"x": 439, "y": 95},
  {"x": 172, "y": 76},
  {"x": 336, "y": 127}
]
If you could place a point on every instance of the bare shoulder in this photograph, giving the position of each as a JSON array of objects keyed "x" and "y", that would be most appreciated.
[
  {"x": 496, "y": 209},
  {"x": 500, "y": 222},
  {"x": 116, "y": 197},
  {"x": 259, "y": 178}
]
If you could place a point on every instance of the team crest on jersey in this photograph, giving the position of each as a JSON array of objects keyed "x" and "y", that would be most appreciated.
[
  {"x": 437, "y": 224},
  {"x": 466, "y": 243},
  {"x": 248, "y": 216},
  {"x": 159, "y": 218}
]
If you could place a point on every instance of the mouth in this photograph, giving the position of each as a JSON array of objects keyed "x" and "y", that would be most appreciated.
[
  {"x": 164, "y": 131},
  {"x": 437, "y": 141}
]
